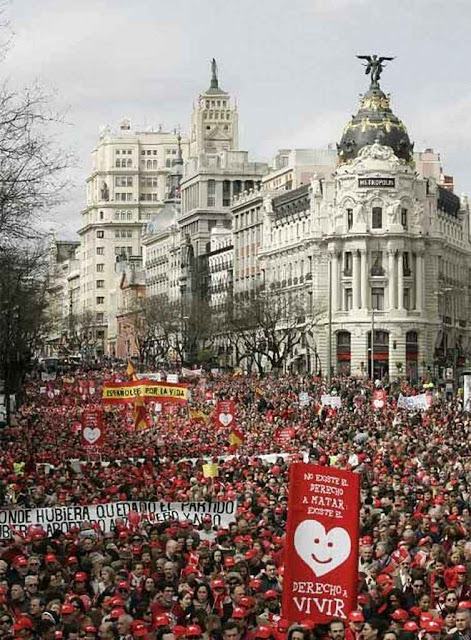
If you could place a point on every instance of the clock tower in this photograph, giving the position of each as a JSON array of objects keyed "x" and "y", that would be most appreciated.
[{"x": 214, "y": 120}]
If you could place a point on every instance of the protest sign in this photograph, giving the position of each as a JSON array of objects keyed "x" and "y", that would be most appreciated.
[
  {"x": 125, "y": 392},
  {"x": 285, "y": 435},
  {"x": 224, "y": 413},
  {"x": 379, "y": 399},
  {"x": 172, "y": 377},
  {"x": 303, "y": 398},
  {"x": 413, "y": 403},
  {"x": 63, "y": 518},
  {"x": 92, "y": 430},
  {"x": 331, "y": 401},
  {"x": 320, "y": 581}
]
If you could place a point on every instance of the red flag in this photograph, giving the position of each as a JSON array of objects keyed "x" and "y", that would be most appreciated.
[{"x": 320, "y": 581}]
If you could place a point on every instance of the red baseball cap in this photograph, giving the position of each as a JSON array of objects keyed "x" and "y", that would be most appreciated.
[
  {"x": 23, "y": 623},
  {"x": 356, "y": 616},
  {"x": 238, "y": 613},
  {"x": 193, "y": 630},
  {"x": 432, "y": 626},
  {"x": 67, "y": 609},
  {"x": 460, "y": 568},
  {"x": 115, "y": 613},
  {"x": 400, "y": 615},
  {"x": 80, "y": 576},
  {"x": 410, "y": 625},
  {"x": 263, "y": 631},
  {"x": 50, "y": 557},
  {"x": 218, "y": 583},
  {"x": 161, "y": 620},
  {"x": 271, "y": 593},
  {"x": 139, "y": 629}
]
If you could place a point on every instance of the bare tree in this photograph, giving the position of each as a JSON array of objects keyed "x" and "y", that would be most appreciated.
[
  {"x": 22, "y": 311},
  {"x": 266, "y": 326},
  {"x": 81, "y": 333}
]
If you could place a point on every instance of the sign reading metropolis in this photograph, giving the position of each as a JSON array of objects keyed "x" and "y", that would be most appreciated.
[{"x": 377, "y": 182}]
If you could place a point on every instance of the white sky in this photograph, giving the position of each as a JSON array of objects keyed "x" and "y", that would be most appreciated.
[{"x": 290, "y": 64}]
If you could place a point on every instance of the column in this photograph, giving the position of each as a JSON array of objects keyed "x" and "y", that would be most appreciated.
[
  {"x": 335, "y": 281},
  {"x": 356, "y": 279},
  {"x": 400, "y": 281},
  {"x": 364, "y": 280},
  {"x": 391, "y": 279},
  {"x": 419, "y": 277}
]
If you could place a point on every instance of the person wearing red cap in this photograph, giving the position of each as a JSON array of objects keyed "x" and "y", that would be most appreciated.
[
  {"x": 206, "y": 531},
  {"x": 355, "y": 622},
  {"x": 462, "y": 587},
  {"x": 23, "y": 627}
]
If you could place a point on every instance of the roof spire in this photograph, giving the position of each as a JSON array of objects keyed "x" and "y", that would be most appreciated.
[{"x": 214, "y": 75}]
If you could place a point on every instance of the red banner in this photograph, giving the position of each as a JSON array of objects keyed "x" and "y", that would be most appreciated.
[
  {"x": 285, "y": 435},
  {"x": 379, "y": 399},
  {"x": 320, "y": 580},
  {"x": 92, "y": 429},
  {"x": 224, "y": 413}
]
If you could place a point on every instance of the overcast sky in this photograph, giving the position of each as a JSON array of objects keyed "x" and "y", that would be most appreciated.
[{"x": 290, "y": 64}]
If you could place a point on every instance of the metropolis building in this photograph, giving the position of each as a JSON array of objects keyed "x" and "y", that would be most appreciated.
[{"x": 383, "y": 246}]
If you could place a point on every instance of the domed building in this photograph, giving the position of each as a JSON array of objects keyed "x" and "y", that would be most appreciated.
[{"x": 389, "y": 246}]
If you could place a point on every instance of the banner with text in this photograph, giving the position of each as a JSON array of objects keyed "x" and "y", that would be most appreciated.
[
  {"x": 53, "y": 519},
  {"x": 413, "y": 403},
  {"x": 320, "y": 581},
  {"x": 331, "y": 401},
  {"x": 125, "y": 392}
]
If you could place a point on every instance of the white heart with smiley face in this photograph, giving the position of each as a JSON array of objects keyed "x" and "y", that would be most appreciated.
[
  {"x": 225, "y": 419},
  {"x": 91, "y": 435},
  {"x": 321, "y": 551}
]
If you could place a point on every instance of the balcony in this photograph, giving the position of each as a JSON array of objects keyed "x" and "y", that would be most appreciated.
[{"x": 377, "y": 270}]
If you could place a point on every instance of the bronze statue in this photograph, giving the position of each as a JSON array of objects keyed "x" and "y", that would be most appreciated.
[{"x": 374, "y": 67}]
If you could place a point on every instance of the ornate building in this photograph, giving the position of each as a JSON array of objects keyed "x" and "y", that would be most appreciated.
[{"x": 387, "y": 249}]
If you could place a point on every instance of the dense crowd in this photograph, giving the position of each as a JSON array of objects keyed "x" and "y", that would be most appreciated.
[{"x": 176, "y": 579}]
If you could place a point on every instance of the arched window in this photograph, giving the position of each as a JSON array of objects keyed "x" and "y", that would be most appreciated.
[
  {"x": 149, "y": 164},
  {"x": 154, "y": 164},
  {"x": 129, "y": 163},
  {"x": 343, "y": 352},
  {"x": 377, "y": 218},
  {"x": 118, "y": 164},
  {"x": 129, "y": 215}
]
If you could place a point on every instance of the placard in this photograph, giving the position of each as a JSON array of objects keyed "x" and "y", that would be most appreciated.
[{"x": 320, "y": 581}]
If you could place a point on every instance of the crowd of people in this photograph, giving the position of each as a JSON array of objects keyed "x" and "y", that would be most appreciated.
[{"x": 177, "y": 579}]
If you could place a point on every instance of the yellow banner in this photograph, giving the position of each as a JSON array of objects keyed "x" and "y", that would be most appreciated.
[{"x": 123, "y": 392}]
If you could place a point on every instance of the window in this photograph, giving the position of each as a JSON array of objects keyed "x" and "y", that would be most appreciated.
[
  {"x": 377, "y": 218},
  {"x": 143, "y": 153},
  {"x": 348, "y": 261},
  {"x": 100, "y": 251},
  {"x": 129, "y": 233},
  {"x": 116, "y": 233},
  {"x": 404, "y": 218},
  {"x": 101, "y": 215},
  {"x": 348, "y": 299},
  {"x": 129, "y": 215},
  {"x": 100, "y": 234},
  {"x": 406, "y": 299},
  {"x": 406, "y": 263},
  {"x": 100, "y": 300},
  {"x": 100, "y": 284},
  {"x": 349, "y": 219},
  {"x": 100, "y": 267},
  {"x": 377, "y": 298},
  {"x": 100, "y": 318},
  {"x": 168, "y": 163},
  {"x": 377, "y": 263},
  {"x": 211, "y": 193},
  {"x": 226, "y": 193}
]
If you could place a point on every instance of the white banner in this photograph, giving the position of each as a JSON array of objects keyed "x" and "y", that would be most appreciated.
[
  {"x": 413, "y": 403},
  {"x": 331, "y": 401},
  {"x": 157, "y": 377},
  {"x": 304, "y": 398},
  {"x": 172, "y": 377},
  {"x": 191, "y": 373},
  {"x": 63, "y": 518},
  {"x": 467, "y": 391}
]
